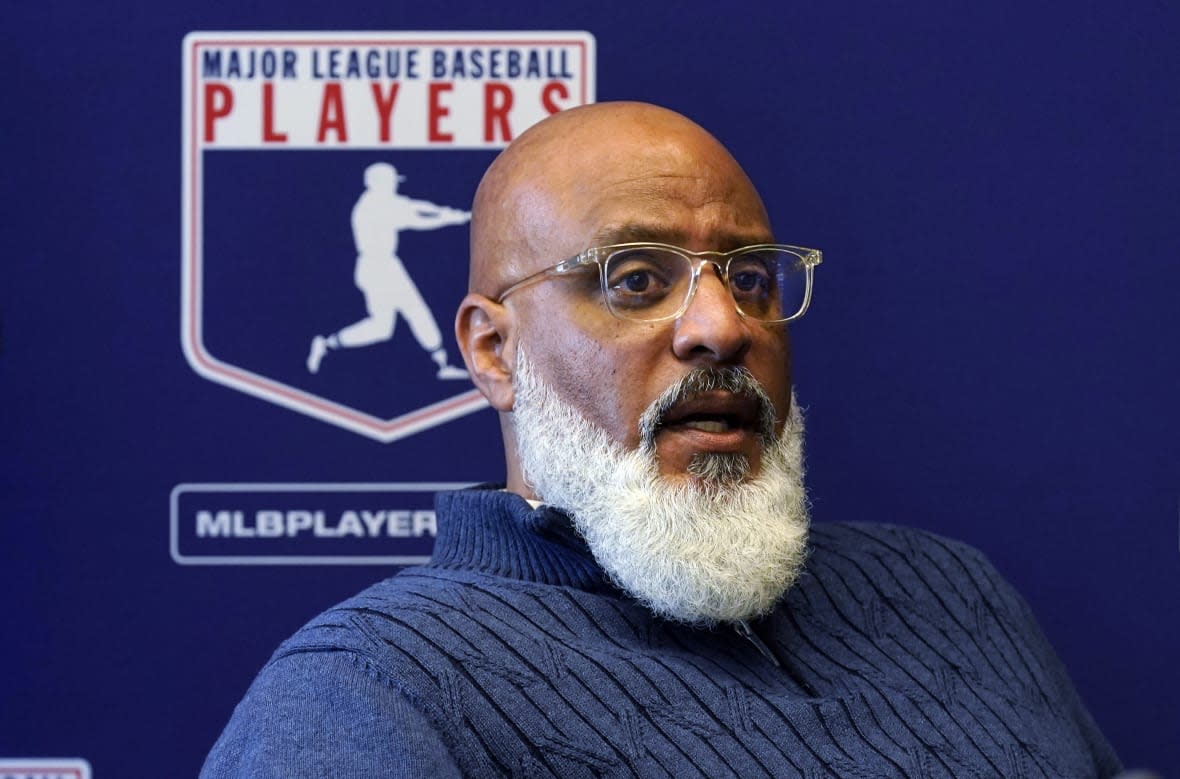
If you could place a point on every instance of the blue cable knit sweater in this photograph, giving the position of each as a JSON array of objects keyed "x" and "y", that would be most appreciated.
[{"x": 898, "y": 653}]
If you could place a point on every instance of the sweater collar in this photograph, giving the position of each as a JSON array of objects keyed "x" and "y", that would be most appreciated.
[{"x": 497, "y": 532}]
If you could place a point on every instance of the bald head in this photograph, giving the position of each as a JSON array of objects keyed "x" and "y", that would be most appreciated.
[
  {"x": 549, "y": 193},
  {"x": 595, "y": 176}
]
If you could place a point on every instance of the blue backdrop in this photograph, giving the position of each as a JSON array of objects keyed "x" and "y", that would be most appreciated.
[{"x": 992, "y": 352}]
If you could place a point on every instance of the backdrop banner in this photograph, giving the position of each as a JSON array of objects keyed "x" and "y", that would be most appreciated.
[{"x": 236, "y": 235}]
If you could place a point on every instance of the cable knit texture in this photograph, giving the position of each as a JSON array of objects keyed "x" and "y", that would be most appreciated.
[{"x": 898, "y": 653}]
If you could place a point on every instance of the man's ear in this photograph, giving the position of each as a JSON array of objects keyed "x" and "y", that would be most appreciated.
[{"x": 484, "y": 328}]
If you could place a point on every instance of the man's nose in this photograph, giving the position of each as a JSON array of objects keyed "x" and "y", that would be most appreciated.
[{"x": 711, "y": 326}]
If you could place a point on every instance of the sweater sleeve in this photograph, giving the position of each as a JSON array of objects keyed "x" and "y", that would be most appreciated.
[
  {"x": 1018, "y": 617},
  {"x": 1105, "y": 759},
  {"x": 327, "y": 713}
]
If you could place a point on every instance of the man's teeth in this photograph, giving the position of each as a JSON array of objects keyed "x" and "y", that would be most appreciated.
[{"x": 708, "y": 425}]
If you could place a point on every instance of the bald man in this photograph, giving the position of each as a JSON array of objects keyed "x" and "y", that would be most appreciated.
[{"x": 644, "y": 596}]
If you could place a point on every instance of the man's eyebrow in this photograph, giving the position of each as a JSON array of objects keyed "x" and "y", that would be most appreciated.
[
  {"x": 635, "y": 233},
  {"x": 639, "y": 233}
]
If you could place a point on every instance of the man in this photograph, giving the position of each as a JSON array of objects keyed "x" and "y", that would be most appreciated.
[
  {"x": 378, "y": 216},
  {"x": 644, "y": 599}
]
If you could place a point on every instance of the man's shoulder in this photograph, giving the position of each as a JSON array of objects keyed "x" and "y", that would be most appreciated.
[
  {"x": 340, "y": 697},
  {"x": 364, "y": 623},
  {"x": 884, "y": 541},
  {"x": 921, "y": 583},
  {"x": 900, "y": 561}
]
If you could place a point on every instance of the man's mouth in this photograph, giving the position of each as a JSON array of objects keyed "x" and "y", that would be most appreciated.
[
  {"x": 706, "y": 425},
  {"x": 718, "y": 410},
  {"x": 713, "y": 412}
]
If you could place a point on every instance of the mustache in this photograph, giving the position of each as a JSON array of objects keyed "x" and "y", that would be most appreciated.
[{"x": 733, "y": 379}]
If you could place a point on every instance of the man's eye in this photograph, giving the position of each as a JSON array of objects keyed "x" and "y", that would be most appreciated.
[
  {"x": 638, "y": 276},
  {"x": 750, "y": 281},
  {"x": 635, "y": 281},
  {"x": 750, "y": 278}
]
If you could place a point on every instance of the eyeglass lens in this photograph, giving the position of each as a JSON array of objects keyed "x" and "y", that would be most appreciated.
[{"x": 648, "y": 283}]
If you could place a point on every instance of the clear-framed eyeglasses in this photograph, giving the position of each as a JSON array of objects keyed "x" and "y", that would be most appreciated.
[{"x": 653, "y": 282}]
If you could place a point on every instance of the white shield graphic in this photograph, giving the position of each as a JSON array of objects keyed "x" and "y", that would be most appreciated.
[{"x": 325, "y": 283}]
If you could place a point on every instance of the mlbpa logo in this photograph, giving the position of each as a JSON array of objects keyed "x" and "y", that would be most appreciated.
[{"x": 327, "y": 282}]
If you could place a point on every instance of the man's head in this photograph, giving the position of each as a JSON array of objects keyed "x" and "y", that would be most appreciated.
[{"x": 703, "y": 398}]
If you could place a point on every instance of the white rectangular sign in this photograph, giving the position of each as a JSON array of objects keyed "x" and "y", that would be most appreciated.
[{"x": 401, "y": 90}]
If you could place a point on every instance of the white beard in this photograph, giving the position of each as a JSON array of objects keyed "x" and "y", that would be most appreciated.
[{"x": 712, "y": 548}]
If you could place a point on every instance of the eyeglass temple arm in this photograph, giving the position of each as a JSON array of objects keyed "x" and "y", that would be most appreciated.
[{"x": 565, "y": 266}]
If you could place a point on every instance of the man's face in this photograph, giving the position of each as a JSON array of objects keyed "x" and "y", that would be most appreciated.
[
  {"x": 674, "y": 188},
  {"x": 672, "y": 445}
]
